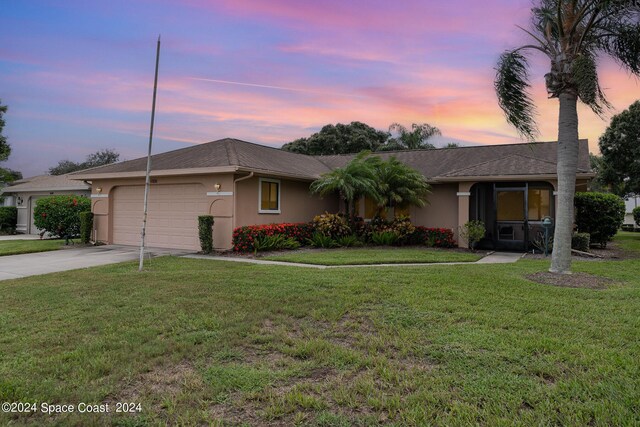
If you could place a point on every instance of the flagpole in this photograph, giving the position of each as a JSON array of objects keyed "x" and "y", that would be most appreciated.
[{"x": 147, "y": 179}]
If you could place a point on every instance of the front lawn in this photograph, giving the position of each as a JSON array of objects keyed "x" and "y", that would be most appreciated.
[
  {"x": 378, "y": 255},
  {"x": 629, "y": 241},
  {"x": 197, "y": 342},
  {"x": 16, "y": 247}
]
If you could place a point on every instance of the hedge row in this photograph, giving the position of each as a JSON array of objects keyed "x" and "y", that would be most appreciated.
[{"x": 244, "y": 237}]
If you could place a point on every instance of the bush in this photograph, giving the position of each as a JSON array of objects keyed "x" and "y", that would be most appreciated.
[
  {"x": 244, "y": 237},
  {"x": 580, "y": 241},
  {"x": 539, "y": 243},
  {"x": 205, "y": 233},
  {"x": 86, "y": 226},
  {"x": 473, "y": 232},
  {"x": 628, "y": 227},
  {"x": 320, "y": 240},
  {"x": 348, "y": 241},
  {"x": 332, "y": 225},
  {"x": 384, "y": 238},
  {"x": 636, "y": 215},
  {"x": 433, "y": 237},
  {"x": 8, "y": 219},
  {"x": 599, "y": 214},
  {"x": 274, "y": 242},
  {"x": 60, "y": 215}
]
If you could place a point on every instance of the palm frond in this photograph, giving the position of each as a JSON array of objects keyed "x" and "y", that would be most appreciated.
[
  {"x": 512, "y": 88},
  {"x": 585, "y": 79}
]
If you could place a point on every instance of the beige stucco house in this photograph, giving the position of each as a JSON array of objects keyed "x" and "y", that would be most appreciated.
[
  {"x": 24, "y": 193},
  {"x": 510, "y": 187}
]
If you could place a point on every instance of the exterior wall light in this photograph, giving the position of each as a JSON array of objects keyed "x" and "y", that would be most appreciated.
[
  {"x": 99, "y": 190},
  {"x": 217, "y": 187}
]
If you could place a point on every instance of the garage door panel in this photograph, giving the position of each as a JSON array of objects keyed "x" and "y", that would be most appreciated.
[{"x": 172, "y": 219}]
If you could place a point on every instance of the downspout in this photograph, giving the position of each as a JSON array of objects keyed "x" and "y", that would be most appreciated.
[{"x": 235, "y": 198}]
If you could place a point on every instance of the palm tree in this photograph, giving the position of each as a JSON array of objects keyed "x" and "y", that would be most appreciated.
[
  {"x": 356, "y": 179},
  {"x": 571, "y": 33},
  {"x": 413, "y": 139},
  {"x": 398, "y": 184}
]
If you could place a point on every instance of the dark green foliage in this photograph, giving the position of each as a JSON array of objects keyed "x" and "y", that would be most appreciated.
[
  {"x": 99, "y": 158},
  {"x": 581, "y": 241},
  {"x": 86, "y": 225},
  {"x": 8, "y": 219},
  {"x": 339, "y": 139},
  {"x": 60, "y": 215},
  {"x": 349, "y": 241},
  {"x": 512, "y": 87},
  {"x": 620, "y": 148},
  {"x": 585, "y": 74},
  {"x": 205, "y": 233},
  {"x": 319, "y": 240},
  {"x": 384, "y": 238},
  {"x": 274, "y": 242},
  {"x": 636, "y": 215},
  {"x": 599, "y": 214},
  {"x": 397, "y": 183}
]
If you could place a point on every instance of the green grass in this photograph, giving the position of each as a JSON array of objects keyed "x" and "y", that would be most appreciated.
[
  {"x": 200, "y": 341},
  {"x": 374, "y": 256},
  {"x": 16, "y": 247},
  {"x": 628, "y": 241}
]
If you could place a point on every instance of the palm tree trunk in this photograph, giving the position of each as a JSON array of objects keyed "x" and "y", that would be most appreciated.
[{"x": 567, "y": 164}]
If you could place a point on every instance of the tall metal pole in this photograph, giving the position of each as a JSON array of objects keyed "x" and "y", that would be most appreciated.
[{"x": 147, "y": 179}]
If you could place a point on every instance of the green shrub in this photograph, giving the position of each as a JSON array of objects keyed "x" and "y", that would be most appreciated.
[
  {"x": 403, "y": 227},
  {"x": 384, "y": 238},
  {"x": 8, "y": 219},
  {"x": 473, "y": 232},
  {"x": 86, "y": 225},
  {"x": 599, "y": 214},
  {"x": 60, "y": 215},
  {"x": 205, "y": 233},
  {"x": 274, "y": 242},
  {"x": 636, "y": 215},
  {"x": 628, "y": 227},
  {"x": 245, "y": 236},
  {"x": 433, "y": 237},
  {"x": 348, "y": 241},
  {"x": 320, "y": 240},
  {"x": 332, "y": 225},
  {"x": 539, "y": 243},
  {"x": 580, "y": 241}
]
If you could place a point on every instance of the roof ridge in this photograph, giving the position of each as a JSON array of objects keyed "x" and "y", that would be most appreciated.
[{"x": 232, "y": 154}]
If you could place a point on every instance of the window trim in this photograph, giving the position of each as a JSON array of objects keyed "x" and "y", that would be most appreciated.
[{"x": 269, "y": 211}]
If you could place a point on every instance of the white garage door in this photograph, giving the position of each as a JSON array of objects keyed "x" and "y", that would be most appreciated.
[{"x": 172, "y": 220}]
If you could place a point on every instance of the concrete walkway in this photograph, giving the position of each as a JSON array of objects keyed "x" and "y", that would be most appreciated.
[
  {"x": 493, "y": 258},
  {"x": 17, "y": 266},
  {"x": 20, "y": 237}
]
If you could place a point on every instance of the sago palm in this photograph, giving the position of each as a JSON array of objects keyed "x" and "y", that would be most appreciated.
[
  {"x": 573, "y": 34},
  {"x": 398, "y": 184},
  {"x": 355, "y": 179}
]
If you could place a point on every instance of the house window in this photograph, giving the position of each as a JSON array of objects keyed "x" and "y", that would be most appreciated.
[
  {"x": 539, "y": 201},
  {"x": 510, "y": 206},
  {"x": 269, "y": 197}
]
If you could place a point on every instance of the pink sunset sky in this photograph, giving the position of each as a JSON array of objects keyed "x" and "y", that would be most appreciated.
[{"x": 77, "y": 75}]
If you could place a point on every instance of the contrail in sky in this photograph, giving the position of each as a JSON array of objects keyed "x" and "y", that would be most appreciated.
[{"x": 291, "y": 89}]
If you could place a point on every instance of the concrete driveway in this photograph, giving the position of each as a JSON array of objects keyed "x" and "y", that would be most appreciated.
[{"x": 16, "y": 266}]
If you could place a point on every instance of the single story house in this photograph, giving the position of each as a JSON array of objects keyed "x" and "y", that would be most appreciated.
[
  {"x": 24, "y": 193},
  {"x": 631, "y": 203},
  {"x": 509, "y": 187}
]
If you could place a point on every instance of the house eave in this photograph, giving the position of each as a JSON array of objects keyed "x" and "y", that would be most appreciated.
[
  {"x": 33, "y": 190},
  {"x": 544, "y": 177}
]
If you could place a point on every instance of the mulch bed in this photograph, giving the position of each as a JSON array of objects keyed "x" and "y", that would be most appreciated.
[
  {"x": 575, "y": 280},
  {"x": 611, "y": 252}
]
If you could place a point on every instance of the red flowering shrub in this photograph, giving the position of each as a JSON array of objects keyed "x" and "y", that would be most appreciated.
[
  {"x": 244, "y": 237},
  {"x": 60, "y": 215},
  {"x": 434, "y": 237}
]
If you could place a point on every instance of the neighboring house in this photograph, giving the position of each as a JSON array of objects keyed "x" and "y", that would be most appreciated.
[
  {"x": 509, "y": 187},
  {"x": 630, "y": 204},
  {"x": 24, "y": 193}
]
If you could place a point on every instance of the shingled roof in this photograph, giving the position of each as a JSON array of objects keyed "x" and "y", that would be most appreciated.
[
  {"x": 46, "y": 183},
  {"x": 445, "y": 164},
  {"x": 480, "y": 161}
]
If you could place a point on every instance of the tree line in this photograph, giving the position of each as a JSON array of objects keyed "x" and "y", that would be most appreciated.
[{"x": 356, "y": 137}]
